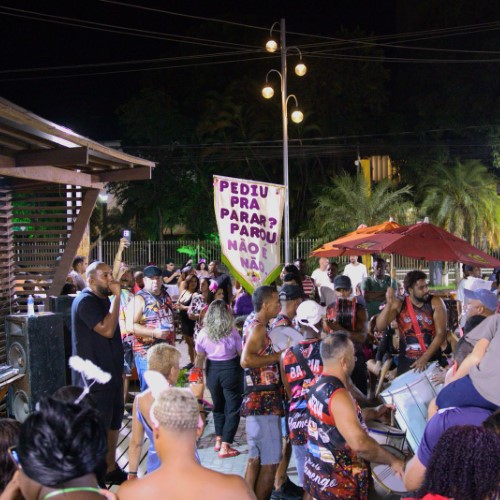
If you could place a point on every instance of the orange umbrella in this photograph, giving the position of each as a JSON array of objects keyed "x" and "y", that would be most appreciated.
[{"x": 339, "y": 246}]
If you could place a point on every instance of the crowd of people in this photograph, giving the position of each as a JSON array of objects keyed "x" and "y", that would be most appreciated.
[{"x": 298, "y": 361}]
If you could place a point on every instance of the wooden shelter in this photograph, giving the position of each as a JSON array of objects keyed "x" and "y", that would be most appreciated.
[{"x": 50, "y": 178}]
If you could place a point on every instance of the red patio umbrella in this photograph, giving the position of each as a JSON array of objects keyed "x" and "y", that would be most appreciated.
[
  {"x": 423, "y": 241},
  {"x": 338, "y": 247}
]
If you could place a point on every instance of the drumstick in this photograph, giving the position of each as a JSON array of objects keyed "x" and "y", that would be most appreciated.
[{"x": 393, "y": 411}]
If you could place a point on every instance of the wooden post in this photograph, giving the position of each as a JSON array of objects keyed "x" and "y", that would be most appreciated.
[{"x": 74, "y": 240}]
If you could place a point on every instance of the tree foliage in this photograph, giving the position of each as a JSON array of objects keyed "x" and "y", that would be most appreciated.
[
  {"x": 345, "y": 204},
  {"x": 462, "y": 198}
]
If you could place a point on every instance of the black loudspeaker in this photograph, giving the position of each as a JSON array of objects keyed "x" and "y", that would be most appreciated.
[
  {"x": 35, "y": 345},
  {"x": 62, "y": 305}
]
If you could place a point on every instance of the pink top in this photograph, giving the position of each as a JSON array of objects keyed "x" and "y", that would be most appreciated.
[{"x": 227, "y": 348}]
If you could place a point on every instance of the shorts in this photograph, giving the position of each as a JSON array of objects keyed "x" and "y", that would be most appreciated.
[
  {"x": 300, "y": 453},
  {"x": 462, "y": 393},
  {"x": 264, "y": 438},
  {"x": 109, "y": 403},
  {"x": 128, "y": 358}
]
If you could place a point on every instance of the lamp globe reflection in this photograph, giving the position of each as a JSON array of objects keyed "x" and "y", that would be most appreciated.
[
  {"x": 267, "y": 92},
  {"x": 297, "y": 116},
  {"x": 300, "y": 69},
  {"x": 271, "y": 46}
]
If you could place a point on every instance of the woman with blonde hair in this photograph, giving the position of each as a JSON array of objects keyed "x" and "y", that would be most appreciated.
[
  {"x": 219, "y": 343},
  {"x": 162, "y": 358},
  {"x": 175, "y": 414}
]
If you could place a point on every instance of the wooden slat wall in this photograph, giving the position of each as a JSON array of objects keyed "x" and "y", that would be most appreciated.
[
  {"x": 42, "y": 222},
  {"x": 7, "y": 273}
]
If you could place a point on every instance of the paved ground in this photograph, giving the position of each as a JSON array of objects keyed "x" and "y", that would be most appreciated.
[{"x": 209, "y": 458}]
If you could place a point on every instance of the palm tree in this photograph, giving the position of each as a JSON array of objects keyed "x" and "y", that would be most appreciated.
[
  {"x": 462, "y": 198},
  {"x": 348, "y": 202}
]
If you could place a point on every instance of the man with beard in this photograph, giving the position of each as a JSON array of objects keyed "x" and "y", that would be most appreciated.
[
  {"x": 96, "y": 337},
  {"x": 150, "y": 318},
  {"x": 421, "y": 321}
]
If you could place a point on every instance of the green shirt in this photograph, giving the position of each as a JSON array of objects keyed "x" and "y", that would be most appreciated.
[{"x": 371, "y": 284}]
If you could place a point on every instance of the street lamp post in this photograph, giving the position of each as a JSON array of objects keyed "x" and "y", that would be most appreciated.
[{"x": 297, "y": 116}]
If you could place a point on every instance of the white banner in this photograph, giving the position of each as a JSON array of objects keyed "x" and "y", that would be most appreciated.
[{"x": 249, "y": 215}]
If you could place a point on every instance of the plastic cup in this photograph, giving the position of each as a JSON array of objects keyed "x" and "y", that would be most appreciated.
[{"x": 41, "y": 308}]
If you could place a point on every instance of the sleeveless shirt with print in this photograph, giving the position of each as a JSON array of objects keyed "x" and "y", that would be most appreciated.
[
  {"x": 332, "y": 470},
  {"x": 300, "y": 383},
  {"x": 425, "y": 319},
  {"x": 156, "y": 313},
  {"x": 263, "y": 388}
]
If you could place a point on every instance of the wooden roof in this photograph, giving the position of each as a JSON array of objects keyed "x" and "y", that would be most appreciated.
[{"x": 35, "y": 149}]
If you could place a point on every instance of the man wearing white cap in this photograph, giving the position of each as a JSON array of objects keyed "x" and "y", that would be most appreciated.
[{"x": 300, "y": 365}]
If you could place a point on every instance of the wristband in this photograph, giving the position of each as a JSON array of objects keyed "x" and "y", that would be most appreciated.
[{"x": 130, "y": 473}]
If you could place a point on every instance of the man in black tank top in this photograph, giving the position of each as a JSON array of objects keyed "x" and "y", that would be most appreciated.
[{"x": 339, "y": 447}]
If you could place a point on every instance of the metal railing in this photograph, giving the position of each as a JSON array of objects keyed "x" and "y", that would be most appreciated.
[{"x": 141, "y": 253}]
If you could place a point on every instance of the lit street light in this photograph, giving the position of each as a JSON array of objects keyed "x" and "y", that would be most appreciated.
[{"x": 297, "y": 116}]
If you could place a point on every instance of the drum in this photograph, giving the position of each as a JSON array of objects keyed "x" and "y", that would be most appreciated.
[
  {"x": 284, "y": 336},
  {"x": 452, "y": 314},
  {"x": 386, "y": 434},
  {"x": 343, "y": 312},
  {"x": 411, "y": 394},
  {"x": 386, "y": 483}
]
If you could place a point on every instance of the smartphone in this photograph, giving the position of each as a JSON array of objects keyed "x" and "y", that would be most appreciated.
[{"x": 127, "y": 234}]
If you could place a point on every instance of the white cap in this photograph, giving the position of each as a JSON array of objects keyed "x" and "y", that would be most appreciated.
[
  {"x": 474, "y": 284},
  {"x": 309, "y": 313}
]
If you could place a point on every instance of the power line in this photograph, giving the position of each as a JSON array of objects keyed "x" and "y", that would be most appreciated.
[
  {"x": 189, "y": 16},
  {"x": 137, "y": 61},
  {"x": 353, "y": 57},
  {"x": 104, "y": 73},
  {"x": 116, "y": 29}
]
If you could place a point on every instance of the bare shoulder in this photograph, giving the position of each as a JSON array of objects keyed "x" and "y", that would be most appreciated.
[
  {"x": 230, "y": 486},
  {"x": 257, "y": 335},
  {"x": 130, "y": 490},
  {"x": 437, "y": 301}
]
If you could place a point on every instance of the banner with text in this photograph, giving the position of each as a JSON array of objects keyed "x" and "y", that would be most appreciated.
[{"x": 249, "y": 215}]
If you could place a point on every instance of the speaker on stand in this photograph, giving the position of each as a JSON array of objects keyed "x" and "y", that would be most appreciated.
[{"x": 35, "y": 346}]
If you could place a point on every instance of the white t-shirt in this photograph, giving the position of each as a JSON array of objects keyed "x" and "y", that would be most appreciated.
[
  {"x": 320, "y": 277},
  {"x": 356, "y": 274}
]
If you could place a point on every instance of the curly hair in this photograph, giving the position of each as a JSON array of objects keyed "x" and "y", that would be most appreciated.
[
  {"x": 61, "y": 441},
  {"x": 465, "y": 464},
  {"x": 9, "y": 433},
  {"x": 412, "y": 277},
  {"x": 176, "y": 409},
  {"x": 218, "y": 321}
]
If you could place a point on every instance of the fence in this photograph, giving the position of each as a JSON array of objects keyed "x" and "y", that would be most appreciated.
[{"x": 140, "y": 253}]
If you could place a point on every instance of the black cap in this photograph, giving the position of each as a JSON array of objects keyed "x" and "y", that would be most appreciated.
[
  {"x": 291, "y": 292},
  {"x": 151, "y": 271},
  {"x": 343, "y": 282}
]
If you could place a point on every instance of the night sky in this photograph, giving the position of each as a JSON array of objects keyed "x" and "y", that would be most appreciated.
[{"x": 79, "y": 98}]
